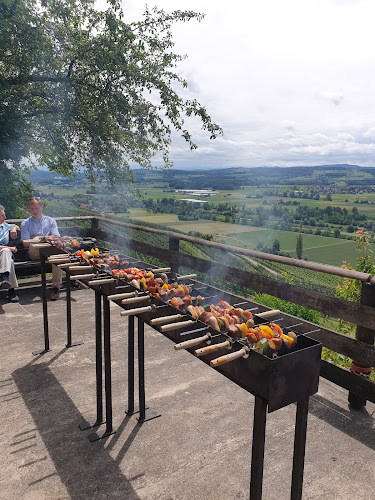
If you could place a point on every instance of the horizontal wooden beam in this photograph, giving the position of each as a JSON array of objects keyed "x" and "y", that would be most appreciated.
[{"x": 361, "y": 386}]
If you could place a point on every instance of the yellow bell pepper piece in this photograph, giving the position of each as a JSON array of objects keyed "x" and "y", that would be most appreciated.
[
  {"x": 244, "y": 330},
  {"x": 165, "y": 286},
  {"x": 267, "y": 332},
  {"x": 289, "y": 339}
]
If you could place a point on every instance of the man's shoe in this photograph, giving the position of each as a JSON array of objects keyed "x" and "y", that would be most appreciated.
[
  {"x": 55, "y": 294},
  {"x": 5, "y": 285},
  {"x": 12, "y": 296}
]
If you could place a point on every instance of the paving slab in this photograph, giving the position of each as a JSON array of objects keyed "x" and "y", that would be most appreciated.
[{"x": 200, "y": 446}]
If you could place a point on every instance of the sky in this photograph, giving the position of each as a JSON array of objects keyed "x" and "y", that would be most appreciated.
[{"x": 291, "y": 82}]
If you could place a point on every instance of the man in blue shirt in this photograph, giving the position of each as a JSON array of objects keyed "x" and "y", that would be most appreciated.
[
  {"x": 8, "y": 280},
  {"x": 41, "y": 225}
]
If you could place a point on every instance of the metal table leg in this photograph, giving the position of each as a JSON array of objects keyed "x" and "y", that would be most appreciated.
[
  {"x": 257, "y": 454},
  {"x": 299, "y": 448},
  {"x": 69, "y": 314},
  {"x": 145, "y": 414},
  {"x": 131, "y": 408},
  {"x": 88, "y": 424},
  {"x": 107, "y": 374},
  {"x": 45, "y": 309}
]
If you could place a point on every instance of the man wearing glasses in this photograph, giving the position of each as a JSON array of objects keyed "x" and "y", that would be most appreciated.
[
  {"x": 8, "y": 280},
  {"x": 41, "y": 225}
]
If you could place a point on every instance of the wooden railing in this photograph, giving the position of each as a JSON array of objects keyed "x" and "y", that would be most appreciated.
[{"x": 361, "y": 348}]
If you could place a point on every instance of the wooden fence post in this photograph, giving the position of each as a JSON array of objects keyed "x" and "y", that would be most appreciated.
[
  {"x": 174, "y": 246},
  {"x": 94, "y": 223},
  {"x": 366, "y": 335}
]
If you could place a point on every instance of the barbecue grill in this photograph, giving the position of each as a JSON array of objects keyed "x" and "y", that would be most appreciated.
[{"x": 276, "y": 382}]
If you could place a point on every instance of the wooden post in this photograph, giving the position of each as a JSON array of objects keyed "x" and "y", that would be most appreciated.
[
  {"x": 174, "y": 246},
  {"x": 364, "y": 335}
]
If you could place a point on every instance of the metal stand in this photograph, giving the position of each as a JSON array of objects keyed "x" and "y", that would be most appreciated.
[
  {"x": 257, "y": 454},
  {"x": 88, "y": 424},
  {"x": 144, "y": 414},
  {"x": 45, "y": 310},
  {"x": 131, "y": 408},
  {"x": 107, "y": 375},
  {"x": 69, "y": 342},
  {"x": 299, "y": 448}
]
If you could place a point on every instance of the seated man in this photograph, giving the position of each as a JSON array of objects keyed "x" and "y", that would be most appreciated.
[
  {"x": 41, "y": 225},
  {"x": 7, "y": 274}
]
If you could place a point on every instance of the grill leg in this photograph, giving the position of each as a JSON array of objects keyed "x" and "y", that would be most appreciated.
[
  {"x": 299, "y": 448},
  {"x": 131, "y": 408},
  {"x": 149, "y": 414},
  {"x": 69, "y": 314},
  {"x": 107, "y": 373},
  {"x": 88, "y": 424},
  {"x": 45, "y": 309},
  {"x": 257, "y": 454}
]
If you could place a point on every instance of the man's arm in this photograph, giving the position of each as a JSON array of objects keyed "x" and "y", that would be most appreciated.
[
  {"x": 13, "y": 232},
  {"x": 25, "y": 233}
]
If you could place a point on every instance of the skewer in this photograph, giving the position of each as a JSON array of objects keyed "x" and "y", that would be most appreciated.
[
  {"x": 138, "y": 310},
  {"x": 67, "y": 264},
  {"x": 119, "y": 296},
  {"x": 58, "y": 256},
  {"x": 192, "y": 342},
  {"x": 265, "y": 314},
  {"x": 83, "y": 277},
  {"x": 242, "y": 353},
  {"x": 103, "y": 281},
  {"x": 213, "y": 348},
  {"x": 175, "y": 326},
  {"x": 165, "y": 319},
  {"x": 160, "y": 270},
  {"x": 186, "y": 276},
  {"x": 80, "y": 268},
  {"x": 136, "y": 299},
  {"x": 59, "y": 261},
  {"x": 197, "y": 330}
]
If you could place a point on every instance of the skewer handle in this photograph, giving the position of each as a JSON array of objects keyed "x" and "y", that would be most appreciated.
[
  {"x": 266, "y": 314},
  {"x": 190, "y": 343},
  {"x": 186, "y": 276},
  {"x": 58, "y": 256},
  {"x": 137, "y": 310},
  {"x": 103, "y": 281},
  {"x": 119, "y": 296},
  {"x": 165, "y": 319},
  {"x": 175, "y": 326},
  {"x": 79, "y": 268},
  {"x": 134, "y": 300},
  {"x": 244, "y": 352},
  {"x": 65, "y": 260},
  {"x": 67, "y": 264},
  {"x": 212, "y": 348},
  {"x": 40, "y": 245},
  {"x": 161, "y": 270},
  {"x": 83, "y": 277}
]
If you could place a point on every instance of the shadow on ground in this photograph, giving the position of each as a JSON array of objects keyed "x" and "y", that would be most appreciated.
[
  {"x": 86, "y": 469},
  {"x": 354, "y": 423}
]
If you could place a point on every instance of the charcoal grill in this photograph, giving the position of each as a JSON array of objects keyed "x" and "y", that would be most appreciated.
[{"x": 275, "y": 382}]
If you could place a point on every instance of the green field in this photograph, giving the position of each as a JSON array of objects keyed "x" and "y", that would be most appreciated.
[{"x": 316, "y": 248}]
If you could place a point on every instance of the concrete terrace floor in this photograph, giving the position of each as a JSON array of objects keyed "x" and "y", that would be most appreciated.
[{"x": 200, "y": 448}]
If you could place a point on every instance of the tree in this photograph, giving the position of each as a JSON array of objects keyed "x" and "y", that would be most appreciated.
[
  {"x": 299, "y": 246},
  {"x": 81, "y": 88},
  {"x": 276, "y": 247},
  {"x": 15, "y": 189}
]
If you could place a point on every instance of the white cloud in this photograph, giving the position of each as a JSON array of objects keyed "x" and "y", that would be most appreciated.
[{"x": 290, "y": 82}]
